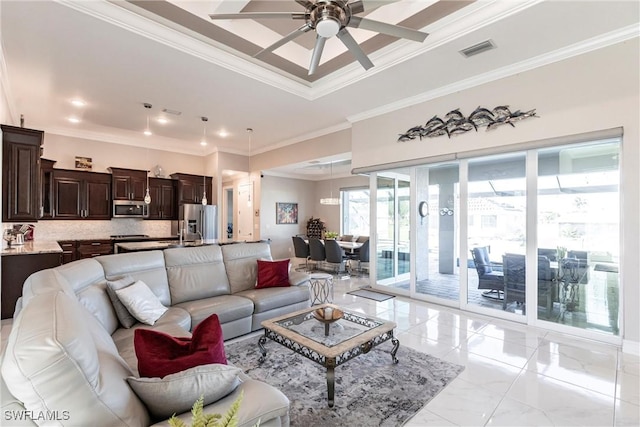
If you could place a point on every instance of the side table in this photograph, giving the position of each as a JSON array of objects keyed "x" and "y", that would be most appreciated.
[{"x": 321, "y": 288}]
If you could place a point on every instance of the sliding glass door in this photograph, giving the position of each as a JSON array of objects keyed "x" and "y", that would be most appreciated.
[
  {"x": 496, "y": 232},
  {"x": 532, "y": 236},
  {"x": 437, "y": 251},
  {"x": 392, "y": 225},
  {"x": 578, "y": 232}
]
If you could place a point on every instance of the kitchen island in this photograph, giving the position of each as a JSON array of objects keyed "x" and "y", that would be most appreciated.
[
  {"x": 19, "y": 262},
  {"x": 123, "y": 247}
]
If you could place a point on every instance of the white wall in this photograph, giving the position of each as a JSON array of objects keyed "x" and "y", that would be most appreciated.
[
  {"x": 274, "y": 190},
  {"x": 595, "y": 91},
  {"x": 63, "y": 150}
]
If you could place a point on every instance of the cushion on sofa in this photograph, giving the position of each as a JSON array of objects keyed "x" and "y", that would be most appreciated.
[
  {"x": 177, "y": 392},
  {"x": 272, "y": 274},
  {"x": 240, "y": 262},
  {"x": 123, "y": 338},
  {"x": 59, "y": 358},
  {"x": 227, "y": 307},
  {"x": 126, "y": 319},
  {"x": 160, "y": 354},
  {"x": 138, "y": 299},
  {"x": 147, "y": 266},
  {"x": 271, "y": 298},
  {"x": 196, "y": 273}
]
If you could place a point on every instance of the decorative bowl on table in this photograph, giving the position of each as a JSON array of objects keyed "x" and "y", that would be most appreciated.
[{"x": 328, "y": 314}]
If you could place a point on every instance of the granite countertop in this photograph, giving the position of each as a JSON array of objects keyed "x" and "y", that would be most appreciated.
[
  {"x": 161, "y": 244},
  {"x": 32, "y": 247}
]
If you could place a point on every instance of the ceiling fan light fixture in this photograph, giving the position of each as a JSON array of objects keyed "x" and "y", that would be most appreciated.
[{"x": 328, "y": 27}]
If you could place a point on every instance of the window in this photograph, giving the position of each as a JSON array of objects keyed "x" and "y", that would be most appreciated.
[{"x": 355, "y": 211}]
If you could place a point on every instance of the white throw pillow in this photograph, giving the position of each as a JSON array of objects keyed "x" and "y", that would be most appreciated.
[
  {"x": 125, "y": 318},
  {"x": 176, "y": 393},
  {"x": 140, "y": 301}
]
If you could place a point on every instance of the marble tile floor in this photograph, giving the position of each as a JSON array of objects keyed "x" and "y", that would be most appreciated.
[{"x": 515, "y": 375}]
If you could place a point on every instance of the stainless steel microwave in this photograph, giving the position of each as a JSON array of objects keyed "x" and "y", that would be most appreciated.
[{"x": 130, "y": 209}]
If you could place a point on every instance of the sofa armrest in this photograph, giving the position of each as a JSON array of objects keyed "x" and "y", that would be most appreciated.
[{"x": 297, "y": 278}]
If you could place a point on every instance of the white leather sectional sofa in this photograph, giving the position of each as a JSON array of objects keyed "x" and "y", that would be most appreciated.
[{"x": 67, "y": 357}]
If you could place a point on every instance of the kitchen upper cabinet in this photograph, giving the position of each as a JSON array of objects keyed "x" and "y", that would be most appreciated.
[
  {"x": 46, "y": 188},
  {"x": 128, "y": 184},
  {"x": 81, "y": 195},
  {"x": 191, "y": 188},
  {"x": 21, "y": 149},
  {"x": 163, "y": 199}
]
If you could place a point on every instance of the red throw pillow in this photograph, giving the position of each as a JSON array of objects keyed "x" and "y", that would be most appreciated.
[
  {"x": 160, "y": 354},
  {"x": 273, "y": 274}
]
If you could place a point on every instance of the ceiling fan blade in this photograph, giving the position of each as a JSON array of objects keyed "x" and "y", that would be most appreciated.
[
  {"x": 317, "y": 53},
  {"x": 259, "y": 15},
  {"x": 360, "y": 6},
  {"x": 304, "y": 3},
  {"x": 389, "y": 29},
  {"x": 292, "y": 35},
  {"x": 354, "y": 48}
]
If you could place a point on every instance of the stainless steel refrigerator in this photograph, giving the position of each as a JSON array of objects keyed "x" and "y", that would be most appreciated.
[{"x": 196, "y": 219}]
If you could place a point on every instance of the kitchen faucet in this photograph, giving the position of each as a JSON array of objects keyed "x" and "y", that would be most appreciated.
[{"x": 201, "y": 238}]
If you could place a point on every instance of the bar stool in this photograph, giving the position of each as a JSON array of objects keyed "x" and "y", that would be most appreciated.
[{"x": 321, "y": 288}]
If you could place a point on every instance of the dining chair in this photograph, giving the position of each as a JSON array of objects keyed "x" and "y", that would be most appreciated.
[
  {"x": 301, "y": 250},
  {"x": 334, "y": 254},
  {"x": 316, "y": 251}
]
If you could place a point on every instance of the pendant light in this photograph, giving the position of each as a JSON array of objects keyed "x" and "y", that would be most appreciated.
[
  {"x": 250, "y": 131},
  {"x": 330, "y": 200},
  {"x": 147, "y": 132},
  {"x": 204, "y": 178}
]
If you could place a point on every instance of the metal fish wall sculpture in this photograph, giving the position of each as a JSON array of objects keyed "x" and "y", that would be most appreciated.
[{"x": 455, "y": 123}]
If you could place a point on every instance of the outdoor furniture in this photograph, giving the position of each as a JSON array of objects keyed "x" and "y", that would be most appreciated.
[
  {"x": 514, "y": 270},
  {"x": 301, "y": 250},
  {"x": 489, "y": 275}
]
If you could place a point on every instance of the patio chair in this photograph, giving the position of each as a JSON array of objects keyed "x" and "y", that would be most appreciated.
[{"x": 490, "y": 276}]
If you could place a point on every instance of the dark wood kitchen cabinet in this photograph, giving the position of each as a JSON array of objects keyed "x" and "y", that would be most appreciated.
[
  {"x": 46, "y": 188},
  {"x": 93, "y": 248},
  {"x": 16, "y": 269},
  {"x": 81, "y": 195},
  {"x": 191, "y": 188},
  {"x": 163, "y": 198},
  {"x": 69, "y": 253},
  {"x": 128, "y": 184},
  {"x": 21, "y": 150}
]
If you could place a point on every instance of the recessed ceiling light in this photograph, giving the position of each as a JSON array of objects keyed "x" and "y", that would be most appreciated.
[
  {"x": 162, "y": 120},
  {"x": 147, "y": 132},
  {"x": 78, "y": 102},
  {"x": 203, "y": 143},
  {"x": 223, "y": 133},
  {"x": 74, "y": 119}
]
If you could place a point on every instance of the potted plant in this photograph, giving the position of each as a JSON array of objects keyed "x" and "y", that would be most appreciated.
[{"x": 330, "y": 235}]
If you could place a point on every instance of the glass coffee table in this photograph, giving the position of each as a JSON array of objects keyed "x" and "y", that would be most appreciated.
[{"x": 329, "y": 336}]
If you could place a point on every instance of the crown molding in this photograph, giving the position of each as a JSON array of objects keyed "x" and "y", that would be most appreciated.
[
  {"x": 131, "y": 18},
  {"x": 6, "y": 89},
  {"x": 589, "y": 45},
  {"x": 305, "y": 137}
]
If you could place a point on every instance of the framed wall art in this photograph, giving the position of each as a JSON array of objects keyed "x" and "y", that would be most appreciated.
[{"x": 286, "y": 213}]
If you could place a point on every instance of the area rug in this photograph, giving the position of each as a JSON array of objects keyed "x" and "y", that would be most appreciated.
[
  {"x": 365, "y": 293},
  {"x": 370, "y": 390}
]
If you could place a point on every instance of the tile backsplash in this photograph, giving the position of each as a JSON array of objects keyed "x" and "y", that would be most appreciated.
[{"x": 79, "y": 230}]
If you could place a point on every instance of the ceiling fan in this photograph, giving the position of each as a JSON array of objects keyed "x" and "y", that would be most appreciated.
[{"x": 329, "y": 18}]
